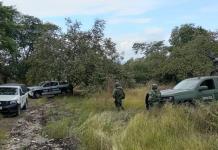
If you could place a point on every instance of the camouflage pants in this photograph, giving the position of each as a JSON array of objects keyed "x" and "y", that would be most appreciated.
[
  {"x": 148, "y": 105},
  {"x": 118, "y": 104}
]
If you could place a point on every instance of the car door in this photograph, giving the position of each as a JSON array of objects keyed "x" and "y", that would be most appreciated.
[
  {"x": 55, "y": 87},
  {"x": 46, "y": 90},
  {"x": 22, "y": 97},
  {"x": 25, "y": 90},
  {"x": 209, "y": 93}
]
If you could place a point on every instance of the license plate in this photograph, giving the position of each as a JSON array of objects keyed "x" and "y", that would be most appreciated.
[{"x": 0, "y": 107}]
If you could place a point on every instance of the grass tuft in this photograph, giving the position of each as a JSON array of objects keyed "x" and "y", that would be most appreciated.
[{"x": 101, "y": 127}]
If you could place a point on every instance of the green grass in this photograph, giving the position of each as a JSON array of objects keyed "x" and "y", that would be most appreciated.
[
  {"x": 2, "y": 136},
  {"x": 99, "y": 126}
]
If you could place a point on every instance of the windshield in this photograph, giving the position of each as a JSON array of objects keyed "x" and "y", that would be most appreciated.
[
  {"x": 41, "y": 83},
  {"x": 8, "y": 91},
  {"x": 186, "y": 85}
]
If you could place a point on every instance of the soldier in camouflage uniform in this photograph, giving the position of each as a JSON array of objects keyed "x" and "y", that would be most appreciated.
[
  {"x": 118, "y": 95},
  {"x": 153, "y": 96}
]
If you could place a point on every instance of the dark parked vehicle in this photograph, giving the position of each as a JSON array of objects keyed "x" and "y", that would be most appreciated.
[
  {"x": 49, "y": 88},
  {"x": 193, "y": 89}
]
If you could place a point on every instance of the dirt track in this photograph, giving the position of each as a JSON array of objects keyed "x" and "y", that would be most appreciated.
[{"x": 25, "y": 131}]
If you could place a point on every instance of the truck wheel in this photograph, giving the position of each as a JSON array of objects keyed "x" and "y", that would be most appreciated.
[
  {"x": 189, "y": 103},
  {"x": 37, "y": 95},
  {"x": 18, "y": 110},
  {"x": 63, "y": 91}
]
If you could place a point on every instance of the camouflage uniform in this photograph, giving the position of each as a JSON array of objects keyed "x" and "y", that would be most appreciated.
[
  {"x": 153, "y": 96},
  {"x": 118, "y": 95}
]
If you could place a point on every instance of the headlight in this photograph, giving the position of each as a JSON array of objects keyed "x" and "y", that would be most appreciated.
[
  {"x": 13, "y": 102},
  {"x": 171, "y": 98},
  {"x": 168, "y": 99}
]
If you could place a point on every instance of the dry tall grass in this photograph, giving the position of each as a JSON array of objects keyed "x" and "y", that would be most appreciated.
[{"x": 101, "y": 127}]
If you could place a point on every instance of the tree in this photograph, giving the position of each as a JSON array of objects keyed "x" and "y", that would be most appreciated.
[
  {"x": 46, "y": 61},
  {"x": 186, "y": 33},
  {"x": 149, "y": 48},
  {"x": 186, "y": 57},
  {"x": 8, "y": 36}
]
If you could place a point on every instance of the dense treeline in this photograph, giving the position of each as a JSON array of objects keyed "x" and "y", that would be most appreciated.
[
  {"x": 187, "y": 55},
  {"x": 32, "y": 51}
]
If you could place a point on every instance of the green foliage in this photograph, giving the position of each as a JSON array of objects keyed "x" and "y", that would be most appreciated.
[
  {"x": 8, "y": 36},
  {"x": 32, "y": 51},
  {"x": 81, "y": 57},
  {"x": 187, "y": 56},
  {"x": 18, "y": 34},
  {"x": 186, "y": 33}
]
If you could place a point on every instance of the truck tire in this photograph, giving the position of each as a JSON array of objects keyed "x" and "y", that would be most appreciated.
[
  {"x": 63, "y": 91},
  {"x": 37, "y": 95}
]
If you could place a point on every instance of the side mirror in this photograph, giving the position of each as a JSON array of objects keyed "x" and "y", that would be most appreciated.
[{"x": 203, "y": 88}]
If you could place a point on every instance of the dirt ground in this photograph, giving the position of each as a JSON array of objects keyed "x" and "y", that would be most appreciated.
[{"x": 24, "y": 132}]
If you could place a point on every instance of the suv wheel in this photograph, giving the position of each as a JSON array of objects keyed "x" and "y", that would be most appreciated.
[{"x": 37, "y": 95}]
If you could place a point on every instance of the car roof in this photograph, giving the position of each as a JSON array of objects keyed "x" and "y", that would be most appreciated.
[
  {"x": 203, "y": 78},
  {"x": 12, "y": 85}
]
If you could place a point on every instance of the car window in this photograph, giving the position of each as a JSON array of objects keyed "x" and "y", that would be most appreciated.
[
  {"x": 54, "y": 83},
  {"x": 186, "y": 85},
  {"x": 24, "y": 89},
  {"x": 209, "y": 83},
  {"x": 47, "y": 84},
  {"x": 22, "y": 92},
  {"x": 41, "y": 83},
  {"x": 8, "y": 91}
]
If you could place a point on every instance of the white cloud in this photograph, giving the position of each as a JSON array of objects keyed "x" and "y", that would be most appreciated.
[
  {"x": 48, "y": 8},
  {"x": 125, "y": 43}
]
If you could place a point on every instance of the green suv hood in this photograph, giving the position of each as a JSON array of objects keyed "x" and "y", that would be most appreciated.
[{"x": 173, "y": 92}]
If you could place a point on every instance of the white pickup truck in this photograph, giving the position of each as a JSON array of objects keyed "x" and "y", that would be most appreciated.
[
  {"x": 13, "y": 98},
  {"x": 48, "y": 88}
]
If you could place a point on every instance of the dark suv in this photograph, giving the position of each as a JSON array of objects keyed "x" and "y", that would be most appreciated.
[{"x": 49, "y": 88}]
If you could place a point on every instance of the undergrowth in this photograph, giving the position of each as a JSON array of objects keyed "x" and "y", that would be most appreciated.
[{"x": 99, "y": 126}]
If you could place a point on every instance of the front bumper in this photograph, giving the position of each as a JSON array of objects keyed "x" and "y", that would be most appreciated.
[
  {"x": 12, "y": 108},
  {"x": 168, "y": 99}
]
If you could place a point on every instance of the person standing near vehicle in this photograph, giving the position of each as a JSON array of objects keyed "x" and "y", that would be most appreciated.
[
  {"x": 152, "y": 97},
  {"x": 118, "y": 95}
]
